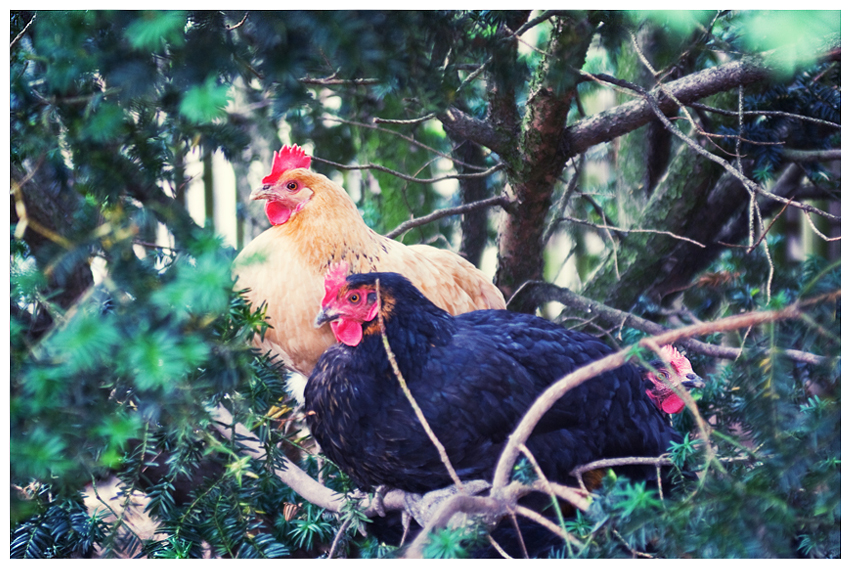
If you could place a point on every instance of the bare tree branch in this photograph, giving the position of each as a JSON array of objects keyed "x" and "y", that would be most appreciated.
[
  {"x": 632, "y": 230},
  {"x": 406, "y": 122},
  {"x": 817, "y": 231},
  {"x": 22, "y": 32},
  {"x": 380, "y": 168},
  {"x": 548, "y": 398},
  {"x": 535, "y": 293},
  {"x": 579, "y": 471},
  {"x": 293, "y": 476},
  {"x": 556, "y": 529},
  {"x": 476, "y": 130},
  {"x": 409, "y": 139},
  {"x": 328, "y": 81},
  {"x": 499, "y": 548},
  {"x": 502, "y": 201},
  {"x": 238, "y": 25},
  {"x": 459, "y": 503},
  {"x": 657, "y": 107},
  {"x": 627, "y": 117},
  {"x": 764, "y": 113},
  {"x": 811, "y": 155}
]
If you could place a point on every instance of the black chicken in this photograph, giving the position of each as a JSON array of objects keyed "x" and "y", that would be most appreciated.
[{"x": 474, "y": 376}]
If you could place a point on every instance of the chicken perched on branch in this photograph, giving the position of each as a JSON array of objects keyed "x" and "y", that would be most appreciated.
[
  {"x": 474, "y": 376},
  {"x": 315, "y": 224}
]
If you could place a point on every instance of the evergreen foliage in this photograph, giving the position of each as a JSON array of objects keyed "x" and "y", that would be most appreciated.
[{"x": 116, "y": 378}]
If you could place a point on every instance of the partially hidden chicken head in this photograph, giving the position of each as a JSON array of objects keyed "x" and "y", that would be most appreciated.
[
  {"x": 286, "y": 188},
  {"x": 660, "y": 392},
  {"x": 346, "y": 308},
  {"x": 349, "y": 302}
]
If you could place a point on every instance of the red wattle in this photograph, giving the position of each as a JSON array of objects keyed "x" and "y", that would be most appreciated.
[
  {"x": 673, "y": 405},
  {"x": 348, "y": 332},
  {"x": 277, "y": 213}
]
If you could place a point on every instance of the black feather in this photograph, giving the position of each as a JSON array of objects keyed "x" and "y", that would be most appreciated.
[{"x": 474, "y": 377}]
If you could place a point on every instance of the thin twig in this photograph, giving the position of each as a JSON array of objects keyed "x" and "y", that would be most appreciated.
[
  {"x": 519, "y": 537},
  {"x": 409, "y": 139},
  {"x": 764, "y": 113},
  {"x": 242, "y": 21},
  {"x": 411, "y": 122},
  {"x": 565, "y": 198},
  {"x": 531, "y": 47},
  {"x": 817, "y": 231},
  {"x": 331, "y": 81},
  {"x": 625, "y": 543},
  {"x": 753, "y": 205},
  {"x": 545, "y": 482},
  {"x": 545, "y": 15},
  {"x": 339, "y": 533},
  {"x": 441, "y": 213},
  {"x": 767, "y": 229},
  {"x": 540, "y": 292},
  {"x": 579, "y": 471},
  {"x": 472, "y": 76},
  {"x": 633, "y": 230},
  {"x": 119, "y": 518},
  {"x": 25, "y": 221},
  {"x": 601, "y": 213},
  {"x": 499, "y": 548},
  {"x": 416, "y": 409},
  {"x": 483, "y": 174},
  {"x": 554, "y": 528},
  {"x": 23, "y": 31},
  {"x": 653, "y": 104},
  {"x": 811, "y": 155},
  {"x": 551, "y": 395}
]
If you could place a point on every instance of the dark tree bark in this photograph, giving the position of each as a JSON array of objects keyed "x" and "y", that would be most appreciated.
[
  {"x": 51, "y": 204},
  {"x": 534, "y": 163},
  {"x": 541, "y": 156},
  {"x": 473, "y": 224},
  {"x": 642, "y": 258}
]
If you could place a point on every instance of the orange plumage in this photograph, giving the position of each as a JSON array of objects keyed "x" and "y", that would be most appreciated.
[{"x": 316, "y": 224}]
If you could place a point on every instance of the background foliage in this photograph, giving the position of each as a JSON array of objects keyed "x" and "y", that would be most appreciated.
[{"x": 121, "y": 342}]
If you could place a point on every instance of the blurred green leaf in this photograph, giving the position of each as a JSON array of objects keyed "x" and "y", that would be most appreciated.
[
  {"x": 105, "y": 122},
  {"x": 205, "y": 103},
  {"x": 155, "y": 360},
  {"x": 39, "y": 454},
  {"x": 798, "y": 32},
  {"x": 156, "y": 29},
  {"x": 680, "y": 22}
]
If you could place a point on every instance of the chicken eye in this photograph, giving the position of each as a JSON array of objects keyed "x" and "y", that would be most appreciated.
[
  {"x": 291, "y": 186},
  {"x": 354, "y": 298},
  {"x": 663, "y": 373}
]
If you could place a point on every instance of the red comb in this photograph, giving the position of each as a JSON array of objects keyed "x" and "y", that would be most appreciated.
[
  {"x": 334, "y": 279},
  {"x": 679, "y": 362},
  {"x": 289, "y": 158}
]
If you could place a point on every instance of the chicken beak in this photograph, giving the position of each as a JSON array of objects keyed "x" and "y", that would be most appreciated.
[
  {"x": 261, "y": 193},
  {"x": 692, "y": 380},
  {"x": 325, "y": 315}
]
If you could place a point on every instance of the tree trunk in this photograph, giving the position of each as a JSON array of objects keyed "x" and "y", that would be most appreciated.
[
  {"x": 641, "y": 257},
  {"x": 473, "y": 224},
  {"x": 541, "y": 156}
]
